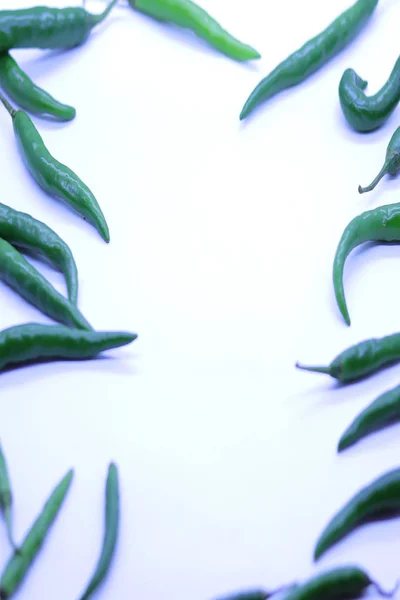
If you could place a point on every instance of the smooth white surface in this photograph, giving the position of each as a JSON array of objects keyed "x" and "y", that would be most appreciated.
[{"x": 222, "y": 242}]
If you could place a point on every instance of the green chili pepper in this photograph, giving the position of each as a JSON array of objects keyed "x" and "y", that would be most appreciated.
[
  {"x": 25, "y": 232},
  {"x": 361, "y": 360},
  {"x": 53, "y": 177},
  {"x": 379, "y": 500},
  {"x": 31, "y": 342},
  {"x": 381, "y": 224},
  {"x": 313, "y": 55},
  {"x": 47, "y": 28},
  {"x": 27, "y": 94},
  {"x": 365, "y": 113},
  {"x": 110, "y": 533},
  {"x": 6, "y": 497},
  {"x": 23, "y": 278},
  {"x": 391, "y": 165},
  {"x": 384, "y": 411},
  {"x": 19, "y": 564},
  {"x": 187, "y": 14},
  {"x": 341, "y": 583}
]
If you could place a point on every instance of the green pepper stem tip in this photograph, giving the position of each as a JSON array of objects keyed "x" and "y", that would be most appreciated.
[
  {"x": 8, "y": 106},
  {"x": 384, "y": 171},
  {"x": 324, "y": 370}
]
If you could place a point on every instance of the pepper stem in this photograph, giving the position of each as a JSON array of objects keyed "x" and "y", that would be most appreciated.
[
  {"x": 8, "y": 106},
  {"x": 384, "y": 171},
  {"x": 96, "y": 19},
  {"x": 325, "y": 370}
]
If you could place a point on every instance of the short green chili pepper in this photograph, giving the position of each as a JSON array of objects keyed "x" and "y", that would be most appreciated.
[
  {"x": 19, "y": 564},
  {"x": 381, "y": 224},
  {"x": 24, "y": 279},
  {"x": 313, "y": 55},
  {"x": 187, "y": 14},
  {"x": 31, "y": 342},
  {"x": 47, "y": 28},
  {"x": 24, "y": 232},
  {"x": 53, "y": 177},
  {"x": 27, "y": 94},
  {"x": 391, "y": 165},
  {"x": 361, "y": 360},
  {"x": 384, "y": 411},
  {"x": 367, "y": 113},
  {"x": 380, "y": 499},
  {"x": 110, "y": 533},
  {"x": 6, "y": 499}
]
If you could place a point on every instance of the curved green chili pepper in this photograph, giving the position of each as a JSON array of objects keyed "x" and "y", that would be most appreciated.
[
  {"x": 313, "y": 55},
  {"x": 384, "y": 411},
  {"x": 361, "y": 360},
  {"x": 341, "y": 583},
  {"x": 381, "y": 224},
  {"x": 391, "y": 165},
  {"x": 187, "y": 14},
  {"x": 110, "y": 533},
  {"x": 31, "y": 342},
  {"x": 6, "y": 497},
  {"x": 380, "y": 499},
  {"x": 19, "y": 564},
  {"x": 27, "y": 94},
  {"x": 25, "y": 232},
  {"x": 365, "y": 113},
  {"x": 47, "y": 28},
  {"x": 24, "y": 279},
  {"x": 53, "y": 177}
]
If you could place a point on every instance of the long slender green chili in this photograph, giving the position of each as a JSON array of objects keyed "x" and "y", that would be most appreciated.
[
  {"x": 384, "y": 411},
  {"x": 367, "y": 113},
  {"x": 53, "y": 177},
  {"x": 6, "y": 497},
  {"x": 380, "y": 499},
  {"x": 341, "y": 583},
  {"x": 23, "y": 343},
  {"x": 189, "y": 15},
  {"x": 24, "y": 279},
  {"x": 19, "y": 564},
  {"x": 47, "y": 28},
  {"x": 110, "y": 533},
  {"x": 27, "y": 94},
  {"x": 391, "y": 165},
  {"x": 313, "y": 55},
  {"x": 361, "y": 360},
  {"x": 24, "y": 232},
  {"x": 381, "y": 224}
]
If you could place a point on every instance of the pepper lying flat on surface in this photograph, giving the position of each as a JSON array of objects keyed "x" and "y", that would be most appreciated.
[
  {"x": 6, "y": 499},
  {"x": 380, "y": 499},
  {"x": 29, "y": 96},
  {"x": 24, "y": 232},
  {"x": 312, "y": 56},
  {"x": 30, "y": 342},
  {"x": 187, "y": 14},
  {"x": 381, "y": 224},
  {"x": 53, "y": 177},
  {"x": 391, "y": 165},
  {"x": 368, "y": 113}
]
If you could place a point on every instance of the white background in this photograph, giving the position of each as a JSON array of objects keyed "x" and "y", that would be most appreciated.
[{"x": 222, "y": 241}]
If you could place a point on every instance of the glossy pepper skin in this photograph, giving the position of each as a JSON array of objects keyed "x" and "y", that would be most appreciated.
[
  {"x": 380, "y": 499},
  {"x": 312, "y": 56},
  {"x": 391, "y": 165},
  {"x": 341, "y": 583},
  {"x": 47, "y": 28},
  {"x": 29, "y": 96},
  {"x": 368, "y": 113},
  {"x": 53, "y": 177},
  {"x": 187, "y": 14},
  {"x": 24, "y": 279},
  {"x": 384, "y": 411},
  {"x": 361, "y": 360},
  {"x": 381, "y": 224},
  {"x": 33, "y": 341},
  {"x": 26, "y": 233},
  {"x": 19, "y": 564}
]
